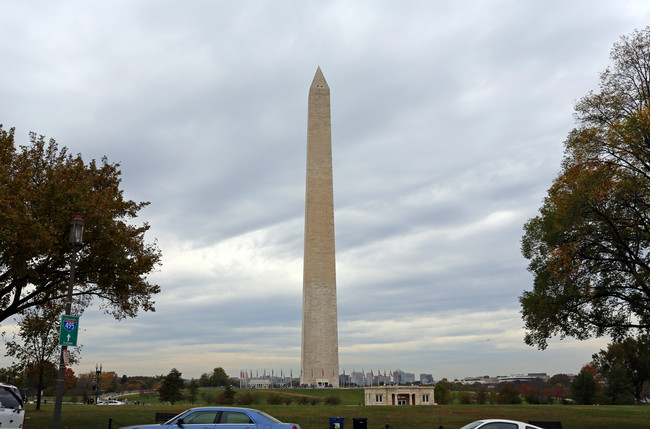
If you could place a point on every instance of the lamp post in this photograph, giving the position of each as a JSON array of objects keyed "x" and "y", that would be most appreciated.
[
  {"x": 98, "y": 373},
  {"x": 76, "y": 237}
]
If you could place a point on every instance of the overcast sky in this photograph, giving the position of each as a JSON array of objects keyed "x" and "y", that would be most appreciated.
[{"x": 448, "y": 122}]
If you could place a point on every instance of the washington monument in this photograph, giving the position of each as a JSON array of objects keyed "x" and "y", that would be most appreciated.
[{"x": 320, "y": 344}]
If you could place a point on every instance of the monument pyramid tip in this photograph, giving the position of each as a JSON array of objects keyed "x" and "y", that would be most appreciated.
[{"x": 319, "y": 80}]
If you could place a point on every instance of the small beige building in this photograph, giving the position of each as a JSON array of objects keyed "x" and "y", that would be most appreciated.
[{"x": 399, "y": 395}]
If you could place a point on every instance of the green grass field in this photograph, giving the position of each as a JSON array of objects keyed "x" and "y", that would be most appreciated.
[{"x": 316, "y": 416}]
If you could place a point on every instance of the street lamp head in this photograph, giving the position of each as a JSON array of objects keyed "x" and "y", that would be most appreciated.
[{"x": 76, "y": 231}]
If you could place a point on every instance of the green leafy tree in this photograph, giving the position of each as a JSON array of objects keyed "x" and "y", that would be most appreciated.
[
  {"x": 618, "y": 385},
  {"x": 192, "y": 391},
  {"x": 625, "y": 366},
  {"x": 585, "y": 387},
  {"x": 217, "y": 378},
  {"x": 12, "y": 375},
  {"x": 589, "y": 246},
  {"x": 227, "y": 397},
  {"x": 172, "y": 386},
  {"x": 442, "y": 394},
  {"x": 41, "y": 188}
]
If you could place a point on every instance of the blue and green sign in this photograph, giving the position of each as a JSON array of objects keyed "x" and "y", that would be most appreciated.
[{"x": 69, "y": 330}]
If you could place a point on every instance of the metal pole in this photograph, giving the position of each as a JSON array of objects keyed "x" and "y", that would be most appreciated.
[
  {"x": 98, "y": 373},
  {"x": 61, "y": 380}
]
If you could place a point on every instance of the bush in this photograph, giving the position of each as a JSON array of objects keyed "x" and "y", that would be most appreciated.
[
  {"x": 303, "y": 400},
  {"x": 247, "y": 398},
  {"x": 275, "y": 399},
  {"x": 287, "y": 400},
  {"x": 208, "y": 397},
  {"x": 332, "y": 400},
  {"x": 465, "y": 398},
  {"x": 314, "y": 401},
  {"x": 224, "y": 399},
  {"x": 481, "y": 396}
]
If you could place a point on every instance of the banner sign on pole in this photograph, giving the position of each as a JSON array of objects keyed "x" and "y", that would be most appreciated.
[{"x": 69, "y": 330}]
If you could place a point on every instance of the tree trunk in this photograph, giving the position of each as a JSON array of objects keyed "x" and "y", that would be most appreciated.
[{"x": 39, "y": 386}]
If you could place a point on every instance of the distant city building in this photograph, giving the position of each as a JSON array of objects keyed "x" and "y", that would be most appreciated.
[
  {"x": 524, "y": 377},
  {"x": 426, "y": 378},
  {"x": 358, "y": 378},
  {"x": 257, "y": 383},
  {"x": 517, "y": 378},
  {"x": 485, "y": 379},
  {"x": 403, "y": 377},
  {"x": 265, "y": 381}
]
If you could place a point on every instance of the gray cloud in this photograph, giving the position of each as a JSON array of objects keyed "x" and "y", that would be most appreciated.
[{"x": 448, "y": 121}]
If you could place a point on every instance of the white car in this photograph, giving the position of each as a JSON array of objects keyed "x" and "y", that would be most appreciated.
[
  {"x": 12, "y": 407},
  {"x": 111, "y": 402},
  {"x": 499, "y": 424}
]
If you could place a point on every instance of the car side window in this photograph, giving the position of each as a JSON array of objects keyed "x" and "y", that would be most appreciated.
[
  {"x": 7, "y": 400},
  {"x": 234, "y": 417},
  {"x": 499, "y": 425},
  {"x": 200, "y": 417}
]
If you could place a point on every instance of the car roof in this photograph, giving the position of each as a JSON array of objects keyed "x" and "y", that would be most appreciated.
[
  {"x": 508, "y": 421},
  {"x": 223, "y": 408}
]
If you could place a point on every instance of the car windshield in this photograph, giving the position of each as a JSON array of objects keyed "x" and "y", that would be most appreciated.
[
  {"x": 472, "y": 425},
  {"x": 267, "y": 416},
  {"x": 10, "y": 398},
  {"x": 168, "y": 422}
]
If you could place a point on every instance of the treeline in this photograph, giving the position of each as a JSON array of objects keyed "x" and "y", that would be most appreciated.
[
  {"x": 588, "y": 387},
  {"x": 81, "y": 386}
]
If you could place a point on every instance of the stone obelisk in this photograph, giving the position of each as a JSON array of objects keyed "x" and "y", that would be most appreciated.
[{"x": 320, "y": 346}]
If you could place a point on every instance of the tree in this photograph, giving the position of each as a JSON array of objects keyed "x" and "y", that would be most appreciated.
[
  {"x": 584, "y": 387},
  {"x": 227, "y": 397},
  {"x": 70, "y": 379},
  {"x": 625, "y": 366},
  {"x": 618, "y": 385},
  {"x": 441, "y": 394},
  {"x": 36, "y": 345},
  {"x": 217, "y": 378},
  {"x": 589, "y": 246},
  {"x": 192, "y": 390},
  {"x": 172, "y": 386},
  {"x": 41, "y": 188},
  {"x": 14, "y": 375},
  {"x": 508, "y": 395}
]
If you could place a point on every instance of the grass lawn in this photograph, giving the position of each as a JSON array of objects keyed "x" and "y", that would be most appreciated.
[{"x": 316, "y": 416}]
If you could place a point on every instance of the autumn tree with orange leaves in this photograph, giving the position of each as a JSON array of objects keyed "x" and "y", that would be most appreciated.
[
  {"x": 589, "y": 248},
  {"x": 42, "y": 187}
]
